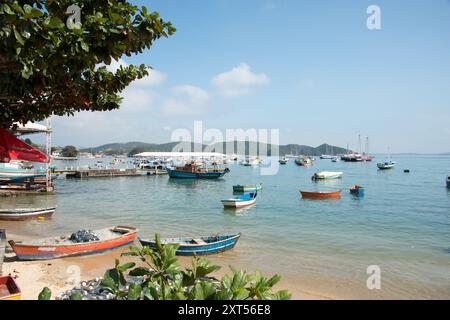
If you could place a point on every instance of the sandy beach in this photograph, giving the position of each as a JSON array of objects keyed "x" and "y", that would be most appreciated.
[{"x": 63, "y": 274}]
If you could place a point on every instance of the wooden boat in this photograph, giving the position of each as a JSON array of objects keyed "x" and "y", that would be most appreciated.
[
  {"x": 60, "y": 247},
  {"x": 9, "y": 290},
  {"x": 386, "y": 165},
  {"x": 194, "y": 171},
  {"x": 25, "y": 214},
  {"x": 357, "y": 190},
  {"x": 320, "y": 195},
  {"x": 327, "y": 175},
  {"x": 244, "y": 200},
  {"x": 249, "y": 188},
  {"x": 199, "y": 246}
]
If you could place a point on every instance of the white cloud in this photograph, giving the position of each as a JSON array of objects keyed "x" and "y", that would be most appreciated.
[
  {"x": 239, "y": 81},
  {"x": 190, "y": 100}
]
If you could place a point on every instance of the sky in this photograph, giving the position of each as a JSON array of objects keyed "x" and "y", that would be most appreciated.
[{"x": 311, "y": 69}]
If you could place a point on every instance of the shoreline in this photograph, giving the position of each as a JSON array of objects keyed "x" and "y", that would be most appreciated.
[{"x": 63, "y": 274}]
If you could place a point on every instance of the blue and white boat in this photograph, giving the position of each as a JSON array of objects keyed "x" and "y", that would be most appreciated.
[
  {"x": 199, "y": 246},
  {"x": 15, "y": 173},
  {"x": 241, "y": 201},
  {"x": 194, "y": 171},
  {"x": 388, "y": 164}
]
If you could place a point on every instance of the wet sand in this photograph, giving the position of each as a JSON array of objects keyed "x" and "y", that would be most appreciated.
[{"x": 63, "y": 274}]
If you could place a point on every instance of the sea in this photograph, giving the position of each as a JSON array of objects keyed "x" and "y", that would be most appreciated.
[{"x": 393, "y": 243}]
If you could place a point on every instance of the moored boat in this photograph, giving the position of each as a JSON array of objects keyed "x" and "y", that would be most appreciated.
[
  {"x": 188, "y": 246},
  {"x": 25, "y": 214},
  {"x": 241, "y": 201},
  {"x": 67, "y": 246},
  {"x": 283, "y": 160},
  {"x": 327, "y": 175},
  {"x": 357, "y": 190},
  {"x": 248, "y": 188},
  {"x": 321, "y": 194},
  {"x": 448, "y": 181},
  {"x": 388, "y": 164},
  {"x": 194, "y": 171},
  {"x": 303, "y": 161}
]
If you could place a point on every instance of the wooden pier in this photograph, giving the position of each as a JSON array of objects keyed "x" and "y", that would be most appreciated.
[{"x": 100, "y": 173}]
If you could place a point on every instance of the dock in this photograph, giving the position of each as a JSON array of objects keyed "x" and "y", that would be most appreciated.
[{"x": 100, "y": 173}]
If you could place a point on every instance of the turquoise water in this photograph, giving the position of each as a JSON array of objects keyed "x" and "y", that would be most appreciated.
[{"x": 402, "y": 224}]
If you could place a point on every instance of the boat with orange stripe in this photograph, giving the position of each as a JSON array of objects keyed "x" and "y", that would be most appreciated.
[
  {"x": 60, "y": 247},
  {"x": 321, "y": 195}
]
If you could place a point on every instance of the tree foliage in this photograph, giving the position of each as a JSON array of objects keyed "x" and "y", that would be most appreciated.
[
  {"x": 69, "y": 151},
  {"x": 161, "y": 278},
  {"x": 49, "y": 67}
]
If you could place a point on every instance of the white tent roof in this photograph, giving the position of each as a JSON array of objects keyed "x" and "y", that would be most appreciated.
[
  {"x": 31, "y": 127},
  {"x": 180, "y": 155}
]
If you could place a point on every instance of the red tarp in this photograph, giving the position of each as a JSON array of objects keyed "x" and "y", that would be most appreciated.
[{"x": 12, "y": 148}]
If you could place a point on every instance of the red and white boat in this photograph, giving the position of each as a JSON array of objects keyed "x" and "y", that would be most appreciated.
[{"x": 60, "y": 247}]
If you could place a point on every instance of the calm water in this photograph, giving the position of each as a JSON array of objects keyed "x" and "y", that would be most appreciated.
[{"x": 402, "y": 224}]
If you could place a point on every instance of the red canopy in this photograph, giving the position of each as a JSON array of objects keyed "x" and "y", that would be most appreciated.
[{"x": 12, "y": 148}]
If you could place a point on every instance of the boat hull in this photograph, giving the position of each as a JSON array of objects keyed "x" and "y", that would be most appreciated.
[
  {"x": 195, "y": 175},
  {"x": 357, "y": 191},
  {"x": 11, "y": 289},
  {"x": 201, "y": 249},
  {"x": 233, "y": 203},
  {"x": 14, "y": 215},
  {"x": 48, "y": 252},
  {"x": 321, "y": 195}
]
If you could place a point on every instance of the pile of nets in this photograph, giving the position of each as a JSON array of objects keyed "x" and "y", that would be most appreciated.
[{"x": 84, "y": 236}]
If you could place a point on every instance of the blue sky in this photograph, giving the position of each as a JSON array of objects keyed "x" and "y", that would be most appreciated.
[{"x": 309, "y": 68}]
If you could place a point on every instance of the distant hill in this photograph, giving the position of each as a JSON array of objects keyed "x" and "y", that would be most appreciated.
[{"x": 132, "y": 148}]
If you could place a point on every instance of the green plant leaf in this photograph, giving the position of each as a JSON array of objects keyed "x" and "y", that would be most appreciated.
[{"x": 45, "y": 294}]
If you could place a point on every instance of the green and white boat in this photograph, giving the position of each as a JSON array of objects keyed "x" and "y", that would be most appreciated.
[{"x": 248, "y": 188}]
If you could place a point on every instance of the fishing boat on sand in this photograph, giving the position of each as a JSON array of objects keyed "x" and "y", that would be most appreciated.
[
  {"x": 321, "y": 194},
  {"x": 76, "y": 244},
  {"x": 25, "y": 214},
  {"x": 327, "y": 175},
  {"x": 188, "y": 246},
  {"x": 194, "y": 171},
  {"x": 241, "y": 201},
  {"x": 9, "y": 290},
  {"x": 248, "y": 188}
]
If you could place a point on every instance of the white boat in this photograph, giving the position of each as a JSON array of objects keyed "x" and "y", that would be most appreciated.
[
  {"x": 303, "y": 161},
  {"x": 242, "y": 201},
  {"x": 335, "y": 159},
  {"x": 388, "y": 164},
  {"x": 326, "y": 156},
  {"x": 327, "y": 175},
  {"x": 283, "y": 160},
  {"x": 251, "y": 162}
]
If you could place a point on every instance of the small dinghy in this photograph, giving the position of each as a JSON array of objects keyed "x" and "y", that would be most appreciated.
[
  {"x": 80, "y": 243},
  {"x": 327, "y": 175},
  {"x": 320, "y": 195},
  {"x": 199, "y": 246},
  {"x": 250, "y": 188},
  {"x": 244, "y": 200},
  {"x": 25, "y": 214},
  {"x": 357, "y": 191}
]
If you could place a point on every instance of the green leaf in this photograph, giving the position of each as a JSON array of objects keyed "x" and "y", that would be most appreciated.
[
  {"x": 45, "y": 294},
  {"x": 84, "y": 46},
  {"x": 18, "y": 37},
  {"x": 134, "y": 292},
  {"x": 127, "y": 266},
  {"x": 54, "y": 23},
  {"x": 76, "y": 296}
]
